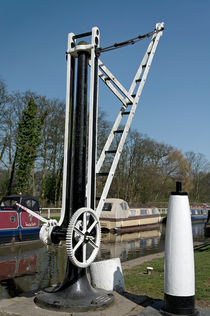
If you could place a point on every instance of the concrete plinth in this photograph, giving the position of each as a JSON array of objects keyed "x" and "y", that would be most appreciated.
[{"x": 25, "y": 306}]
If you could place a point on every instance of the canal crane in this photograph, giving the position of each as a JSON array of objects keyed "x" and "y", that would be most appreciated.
[
  {"x": 79, "y": 223},
  {"x": 129, "y": 100}
]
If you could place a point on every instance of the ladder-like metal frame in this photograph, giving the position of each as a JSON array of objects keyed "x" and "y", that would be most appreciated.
[{"x": 128, "y": 98}]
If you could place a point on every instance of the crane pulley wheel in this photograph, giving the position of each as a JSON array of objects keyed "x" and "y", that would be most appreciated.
[{"x": 83, "y": 237}]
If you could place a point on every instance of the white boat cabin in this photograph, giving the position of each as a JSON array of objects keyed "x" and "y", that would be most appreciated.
[{"x": 119, "y": 209}]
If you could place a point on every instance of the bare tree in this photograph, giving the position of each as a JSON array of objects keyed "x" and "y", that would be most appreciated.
[{"x": 199, "y": 168}]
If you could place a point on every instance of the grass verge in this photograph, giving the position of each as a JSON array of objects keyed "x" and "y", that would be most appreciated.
[{"x": 138, "y": 282}]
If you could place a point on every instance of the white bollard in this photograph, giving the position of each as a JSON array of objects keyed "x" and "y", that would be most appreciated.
[
  {"x": 149, "y": 270},
  {"x": 179, "y": 284},
  {"x": 107, "y": 275}
]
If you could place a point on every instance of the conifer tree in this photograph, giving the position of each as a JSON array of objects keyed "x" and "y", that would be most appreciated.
[{"x": 28, "y": 140}]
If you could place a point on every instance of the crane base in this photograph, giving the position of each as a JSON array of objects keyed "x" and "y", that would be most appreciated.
[{"x": 78, "y": 297}]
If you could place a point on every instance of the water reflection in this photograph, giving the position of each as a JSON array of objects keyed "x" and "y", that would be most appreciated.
[
  {"x": 28, "y": 267},
  {"x": 198, "y": 231},
  {"x": 129, "y": 246}
]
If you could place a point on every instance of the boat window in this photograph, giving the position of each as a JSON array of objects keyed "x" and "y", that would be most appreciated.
[
  {"x": 34, "y": 205},
  {"x": 132, "y": 212},
  {"x": 131, "y": 245},
  {"x": 154, "y": 211},
  {"x": 31, "y": 204},
  {"x": 124, "y": 206},
  {"x": 27, "y": 203},
  {"x": 143, "y": 212},
  {"x": 9, "y": 203},
  {"x": 107, "y": 207}
]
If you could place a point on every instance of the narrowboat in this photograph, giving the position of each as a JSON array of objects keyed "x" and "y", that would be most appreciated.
[
  {"x": 198, "y": 215},
  {"x": 117, "y": 216},
  {"x": 15, "y": 223}
]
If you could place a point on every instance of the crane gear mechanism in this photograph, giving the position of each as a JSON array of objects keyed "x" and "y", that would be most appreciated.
[
  {"x": 84, "y": 232},
  {"x": 47, "y": 227}
]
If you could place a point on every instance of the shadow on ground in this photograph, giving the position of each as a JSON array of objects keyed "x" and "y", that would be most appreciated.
[{"x": 144, "y": 300}]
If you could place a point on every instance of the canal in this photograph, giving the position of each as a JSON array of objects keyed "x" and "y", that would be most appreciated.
[{"x": 32, "y": 266}]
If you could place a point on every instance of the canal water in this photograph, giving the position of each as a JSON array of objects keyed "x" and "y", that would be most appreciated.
[{"x": 29, "y": 267}]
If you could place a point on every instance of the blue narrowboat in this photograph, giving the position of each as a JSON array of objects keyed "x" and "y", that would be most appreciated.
[
  {"x": 198, "y": 215},
  {"x": 15, "y": 223}
]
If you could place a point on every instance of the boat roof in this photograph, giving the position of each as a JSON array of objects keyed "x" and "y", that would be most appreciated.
[
  {"x": 26, "y": 200},
  {"x": 116, "y": 200},
  {"x": 23, "y": 196},
  {"x": 119, "y": 209}
]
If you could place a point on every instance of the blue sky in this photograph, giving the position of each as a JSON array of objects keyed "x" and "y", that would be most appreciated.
[{"x": 175, "y": 103}]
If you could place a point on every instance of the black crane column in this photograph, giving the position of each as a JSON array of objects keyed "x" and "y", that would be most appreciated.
[
  {"x": 77, "y": 188},
  {"x": 79, "y": 169}
]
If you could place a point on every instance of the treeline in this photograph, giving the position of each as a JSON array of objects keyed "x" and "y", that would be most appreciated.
[
  {"x": 31, "y": 145},
  {"x": 31, "y": 156}
]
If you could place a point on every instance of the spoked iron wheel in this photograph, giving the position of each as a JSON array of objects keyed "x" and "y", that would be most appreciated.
[{"x": 83, "y": 237}]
